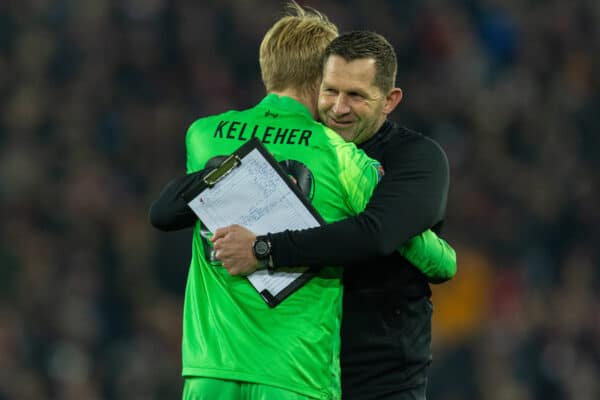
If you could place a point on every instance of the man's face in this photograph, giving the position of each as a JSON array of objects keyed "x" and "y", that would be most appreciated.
[{"x": 349, "y": 101}]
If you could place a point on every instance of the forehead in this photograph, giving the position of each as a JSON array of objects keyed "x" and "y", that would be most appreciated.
[{"x": 347, "y": 75}]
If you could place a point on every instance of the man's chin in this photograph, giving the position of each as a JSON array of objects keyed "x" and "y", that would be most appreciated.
[
  {"x": 345, "y": 134},
  {"x": 344, "y": 131}
]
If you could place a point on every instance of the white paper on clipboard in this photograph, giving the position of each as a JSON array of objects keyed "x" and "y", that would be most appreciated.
[{"x": 256, "y": 196}]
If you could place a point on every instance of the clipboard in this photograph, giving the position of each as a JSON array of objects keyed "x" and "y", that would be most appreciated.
[{"x": 218, "y": 201}]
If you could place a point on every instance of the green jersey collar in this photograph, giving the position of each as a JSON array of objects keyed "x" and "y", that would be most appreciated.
[{"x": 284, "y": 103}]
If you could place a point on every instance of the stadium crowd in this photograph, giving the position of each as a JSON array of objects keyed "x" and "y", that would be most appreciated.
[{"x": 95, "y": 100}]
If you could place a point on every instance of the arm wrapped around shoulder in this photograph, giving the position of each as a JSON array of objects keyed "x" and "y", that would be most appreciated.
[{"x": 170, "y": 211}]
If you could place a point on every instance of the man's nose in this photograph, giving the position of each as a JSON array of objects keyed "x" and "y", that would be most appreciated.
[{"x": 340, "y": 106}]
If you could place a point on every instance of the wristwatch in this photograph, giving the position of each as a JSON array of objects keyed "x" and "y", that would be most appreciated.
[{"x": 262, "y": 251}]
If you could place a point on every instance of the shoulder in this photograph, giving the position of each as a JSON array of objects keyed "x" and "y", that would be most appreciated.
[
  {"x": 209, "y": 122},
  {"x": 403, "y": 141},
  {"x": 211, "y": 119},
  {"x": 344, "y": 151}
]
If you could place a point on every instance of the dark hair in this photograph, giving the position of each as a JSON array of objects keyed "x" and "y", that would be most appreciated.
[{"x": 366, "y": 44}]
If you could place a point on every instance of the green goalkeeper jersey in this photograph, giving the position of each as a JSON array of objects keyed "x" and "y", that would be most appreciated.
[{"x": 229, "y": 331}]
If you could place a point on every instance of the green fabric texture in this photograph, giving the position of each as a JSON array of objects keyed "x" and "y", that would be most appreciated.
[
  {"x": 435, "y": 258},
  {"x": 229, "y": 331},
  {"x": 218, "y": 389}
]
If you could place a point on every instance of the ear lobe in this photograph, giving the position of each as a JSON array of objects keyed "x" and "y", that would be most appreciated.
[{"x": 392, "y": 100}]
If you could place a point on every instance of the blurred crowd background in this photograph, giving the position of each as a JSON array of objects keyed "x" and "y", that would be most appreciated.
[{"x": 95, "y": 100}]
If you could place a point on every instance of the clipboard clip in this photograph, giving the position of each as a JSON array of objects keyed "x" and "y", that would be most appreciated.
[{"x": 222, "y": 170}]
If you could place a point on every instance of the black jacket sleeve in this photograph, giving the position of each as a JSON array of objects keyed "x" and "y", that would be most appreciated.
[
  {"x": 170, "y": 212},
  {"x": 409, "y": 199}
]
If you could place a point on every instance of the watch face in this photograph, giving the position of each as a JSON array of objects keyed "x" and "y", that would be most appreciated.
[{"x": 261, "y": 248}]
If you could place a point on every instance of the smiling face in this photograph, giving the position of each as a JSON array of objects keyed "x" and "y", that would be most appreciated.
[{"x": 349, "y": 101}]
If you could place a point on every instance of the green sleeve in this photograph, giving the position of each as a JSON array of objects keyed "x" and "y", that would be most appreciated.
[
  {"x": 358, "y": 174},
  {"x": 433, "y": 256}
]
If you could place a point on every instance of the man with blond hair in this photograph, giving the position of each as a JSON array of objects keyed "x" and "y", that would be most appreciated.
[{"x": 234, "y": 345}]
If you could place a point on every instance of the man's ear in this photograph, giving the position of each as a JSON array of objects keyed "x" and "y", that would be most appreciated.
[{"x": 392, "y": 99}]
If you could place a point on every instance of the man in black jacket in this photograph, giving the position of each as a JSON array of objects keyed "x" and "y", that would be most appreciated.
[{"x": 386, "y": 326}]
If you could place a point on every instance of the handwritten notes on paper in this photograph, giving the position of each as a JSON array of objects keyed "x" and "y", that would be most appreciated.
[{"x": 255, "y": 196}]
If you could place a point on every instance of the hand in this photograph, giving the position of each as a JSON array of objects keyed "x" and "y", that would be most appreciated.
[{"x": 233, "y": 247}]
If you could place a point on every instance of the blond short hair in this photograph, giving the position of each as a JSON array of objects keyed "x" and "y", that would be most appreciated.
[{"x": 291, "y": 53}]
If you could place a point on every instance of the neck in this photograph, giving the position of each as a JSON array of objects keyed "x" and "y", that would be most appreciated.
[{"x": 310, "y": 101}]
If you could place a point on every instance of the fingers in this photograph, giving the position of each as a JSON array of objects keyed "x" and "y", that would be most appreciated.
[
  {"x": 233, "y": 248},
  {"x": 218, "y": 245},
  {"x": 224, "y": 231},
  {"x": 219, "y": 234},
  {"x": 224, "y": 252}
]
